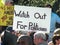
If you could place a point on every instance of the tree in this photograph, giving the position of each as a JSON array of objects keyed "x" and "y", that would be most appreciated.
[{"x": 56, "y": 6}]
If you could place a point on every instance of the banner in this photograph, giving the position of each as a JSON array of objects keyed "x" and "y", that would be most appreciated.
[
  {"x": 31, "y": 18},
  {"x": 6, "y": 15}
]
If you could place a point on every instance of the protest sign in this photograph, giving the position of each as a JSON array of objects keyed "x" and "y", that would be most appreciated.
[{"x": 31, "y": 18}]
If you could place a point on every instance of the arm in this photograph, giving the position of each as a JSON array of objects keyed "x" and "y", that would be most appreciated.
[{"x": 58, "y": 19}]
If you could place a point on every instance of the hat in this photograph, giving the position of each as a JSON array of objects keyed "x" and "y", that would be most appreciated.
[
  {"x": 10, "y": 28},
  {"x": 57, "y": 32}
]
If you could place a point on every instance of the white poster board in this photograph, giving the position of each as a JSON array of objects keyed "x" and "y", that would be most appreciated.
[{"x": 31, "y": 18}]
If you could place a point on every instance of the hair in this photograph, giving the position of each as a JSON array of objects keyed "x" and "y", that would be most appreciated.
[
  {"x": 46, "y": 36},
  {"x": 11, "y": 1},
  {"x": 40, "y": 35},
  {"x": 56, "y": 35},
  {"x": 48, "y": 5},
  {"x": 55, "y": 38},
  {"x": 25, "y": 40}
]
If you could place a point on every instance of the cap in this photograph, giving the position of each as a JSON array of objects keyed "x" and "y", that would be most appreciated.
[
  {"x": 10, "y": 28},
  {"x": 57, "y": 32}
]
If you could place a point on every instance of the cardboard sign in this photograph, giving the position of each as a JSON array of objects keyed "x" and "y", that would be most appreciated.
[{"x": 31, "y": 18}]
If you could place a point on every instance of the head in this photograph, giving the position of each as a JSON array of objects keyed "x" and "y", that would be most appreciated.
[
  {"x": 17, "y": 33},
  {"x": 39, "y": 38},
  {"x": 49, "y": 6},
  {"x": 9, "y": 2},
  {"x": 56, "y": 40},
  {"x": 12, "y": 31},
  {"x": 56, "y": 37},
  {"x": 24, "y": 40}
]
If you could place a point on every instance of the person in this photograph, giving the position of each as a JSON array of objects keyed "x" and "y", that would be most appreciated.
[
  {"x": 31, "y": 34},
  {"x": 40, "y": 39},
  {"x": 8, "y": 38},
  {"x": 24, "y": 40},
  {"x": 54, "y": 18},
  {"x": 9, "y": 2},
  {"x": 56, "y": 38}
]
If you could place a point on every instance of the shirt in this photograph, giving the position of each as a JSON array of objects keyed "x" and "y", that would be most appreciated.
[{"x": 54, "y": 18}]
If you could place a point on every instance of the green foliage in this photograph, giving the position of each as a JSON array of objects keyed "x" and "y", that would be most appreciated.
[
  {"x": 40, "y": 3},
  {"x": 35, "y": 2}
]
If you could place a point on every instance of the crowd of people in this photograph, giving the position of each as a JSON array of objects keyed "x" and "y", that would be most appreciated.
[{"x": 11, "y": 37}]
